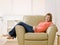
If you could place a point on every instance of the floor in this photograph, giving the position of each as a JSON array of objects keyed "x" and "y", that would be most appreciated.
[
  {"x": 4, "y": 41},
  {"x": 11, "y": 42}
]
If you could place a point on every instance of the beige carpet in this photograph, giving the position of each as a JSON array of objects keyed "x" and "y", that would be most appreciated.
[
  {"x": 4, "y": 41},
  {"x": 11, "y": 43}
]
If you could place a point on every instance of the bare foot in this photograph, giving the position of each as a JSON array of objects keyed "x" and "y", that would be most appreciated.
[
  {"x": 8, "y": 36},
  {"x": 5, "y": 35}
]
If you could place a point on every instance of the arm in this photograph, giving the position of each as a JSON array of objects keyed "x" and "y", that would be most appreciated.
[{"x": 34, "y": 27}]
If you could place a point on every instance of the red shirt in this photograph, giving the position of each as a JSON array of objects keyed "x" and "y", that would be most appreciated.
[{"x": 42, "y": 26}]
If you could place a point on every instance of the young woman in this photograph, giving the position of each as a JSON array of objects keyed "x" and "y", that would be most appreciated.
[{"x": 41, "y": 27}]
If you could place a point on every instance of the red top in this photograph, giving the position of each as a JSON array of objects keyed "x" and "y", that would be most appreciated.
[{"x": 42, "y": 26}]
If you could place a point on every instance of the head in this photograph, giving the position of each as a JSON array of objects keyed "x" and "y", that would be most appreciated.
[{"x": 48, "y": 17}]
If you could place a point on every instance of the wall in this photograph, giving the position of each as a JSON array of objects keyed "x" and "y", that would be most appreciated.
[
  {"x": 51, "y": 7},
  {"x": 58, "y": 14},
  {"x": 22, "y": 7},
  {"x": 5, "y": 6},
  {"x": 38, "y": 7}
]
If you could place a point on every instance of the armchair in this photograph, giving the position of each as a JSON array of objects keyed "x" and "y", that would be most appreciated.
[{"x": 35, "y": 38}]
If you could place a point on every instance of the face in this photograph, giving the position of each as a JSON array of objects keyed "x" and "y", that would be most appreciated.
[{"x": 47, "y": 18}]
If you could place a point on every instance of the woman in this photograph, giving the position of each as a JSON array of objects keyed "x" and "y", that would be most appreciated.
[{"x": 41, "y": 27}]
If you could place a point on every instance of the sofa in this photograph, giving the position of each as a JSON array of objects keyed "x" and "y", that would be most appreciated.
[{"x": 44, "y": 38}]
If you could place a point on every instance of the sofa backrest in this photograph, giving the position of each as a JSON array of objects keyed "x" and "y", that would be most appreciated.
[{"x": 33, "y": 20}]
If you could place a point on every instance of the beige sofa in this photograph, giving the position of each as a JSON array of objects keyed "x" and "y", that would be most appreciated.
[{"x": 35, "y": 38}]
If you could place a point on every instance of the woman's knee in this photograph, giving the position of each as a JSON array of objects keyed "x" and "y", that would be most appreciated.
[{"x": 20, "y": 23}]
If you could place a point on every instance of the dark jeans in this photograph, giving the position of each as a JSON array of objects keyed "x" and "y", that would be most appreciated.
[{"x": 27, "y": 27}]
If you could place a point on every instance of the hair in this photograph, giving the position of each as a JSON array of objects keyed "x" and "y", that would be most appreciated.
[{"x": 49, "y": 14}]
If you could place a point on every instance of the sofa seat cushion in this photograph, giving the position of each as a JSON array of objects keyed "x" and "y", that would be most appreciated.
[{"x": 36, "y": 36}]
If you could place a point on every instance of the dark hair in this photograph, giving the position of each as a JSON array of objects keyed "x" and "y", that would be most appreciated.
[{"x": 49, "y": 14}]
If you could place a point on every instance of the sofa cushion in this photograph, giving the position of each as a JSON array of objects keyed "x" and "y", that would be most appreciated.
[
  {"x": 36, "y": 36},
  {"x": 33, "y": 20}
]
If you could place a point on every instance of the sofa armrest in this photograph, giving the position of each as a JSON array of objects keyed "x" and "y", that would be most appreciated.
[
  {"x": 20, "y": 31},
  {"x": 51, "y": 31}
]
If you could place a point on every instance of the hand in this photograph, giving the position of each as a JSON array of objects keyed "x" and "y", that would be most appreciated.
[{"x": 34, "y": 27}]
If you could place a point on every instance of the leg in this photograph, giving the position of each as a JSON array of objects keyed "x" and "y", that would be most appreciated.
[
  {"x": 12, "y": 33},
  {"x": 27, "y": 27}
]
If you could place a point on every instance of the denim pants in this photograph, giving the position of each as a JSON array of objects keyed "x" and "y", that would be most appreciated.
[{"x": 27, "y": 27}]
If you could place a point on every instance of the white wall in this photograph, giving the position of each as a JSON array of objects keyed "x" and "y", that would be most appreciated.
[
  {"x": 58, "y": 14},
  {"x": 51, "y": 7},
  {"x": 38, "y": 7},
  {"x": 5, "y": 6},
  {"x": 22, "y": 7}
]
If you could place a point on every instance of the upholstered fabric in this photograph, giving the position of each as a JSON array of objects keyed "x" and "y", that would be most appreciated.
[
  {"x": 27, "y": 42},
  {"x": 33, "y": 20},
  {"x": 35, "y": 38}
]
